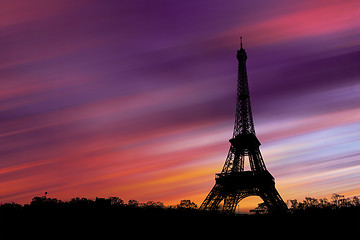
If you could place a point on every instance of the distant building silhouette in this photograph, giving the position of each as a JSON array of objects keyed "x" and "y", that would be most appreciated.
[{"x": 234, "y": 183}]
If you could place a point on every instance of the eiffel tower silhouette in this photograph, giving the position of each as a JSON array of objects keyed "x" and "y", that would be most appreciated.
[{"x": 234, "y": 183}]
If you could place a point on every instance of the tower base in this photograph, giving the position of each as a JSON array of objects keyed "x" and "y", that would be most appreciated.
[{"x": 232, "y": 188}]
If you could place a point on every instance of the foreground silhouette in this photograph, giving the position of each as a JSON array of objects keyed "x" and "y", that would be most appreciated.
[{"x": 86, "y": 217}]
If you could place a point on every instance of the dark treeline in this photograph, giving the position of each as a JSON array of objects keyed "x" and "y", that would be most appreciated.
[
  {"x": 311, "y": 205},
  {"x": 114, "y": 214},
  {"x": 45, "y": 203},
  {"x": 337, "y": 202},
  {"x": 85, "y": 217},
  {"x": 81, "y": 210}
]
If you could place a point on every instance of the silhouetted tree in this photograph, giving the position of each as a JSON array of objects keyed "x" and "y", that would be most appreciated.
[
  {"x": 261, "y": 208},
  {"x": 336, "y": 199},
  {"x": 37, "y": 201},
  {"x": 294, "y": 204},
  {"x": 44, "y": 202},
  {"x": 310, "y": 202},
  {"x": 102, "y": 202},
  {"x": 152, "y": 204},
  {"x": 356, "y": 201},
  {"x": 10, "y": 206},
  {"x": 115, "y": 201},
  {"x": 186, "y": 204},
  {"x": 323, "y": 203},
  {"x": 133, "y": 203},
  {"x": 80, "y": 202}
]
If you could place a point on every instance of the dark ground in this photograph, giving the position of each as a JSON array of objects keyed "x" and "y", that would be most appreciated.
[{"x": 108, "y": 221}]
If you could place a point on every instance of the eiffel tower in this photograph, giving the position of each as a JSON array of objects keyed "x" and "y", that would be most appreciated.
[{"x": 234, "y": 183}]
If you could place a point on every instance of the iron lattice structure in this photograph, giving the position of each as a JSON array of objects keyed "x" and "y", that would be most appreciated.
[{"x": 234, "y": 183}]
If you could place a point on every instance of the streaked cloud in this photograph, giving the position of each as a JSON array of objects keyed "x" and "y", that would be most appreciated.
[{"x": 137, "y": 99}]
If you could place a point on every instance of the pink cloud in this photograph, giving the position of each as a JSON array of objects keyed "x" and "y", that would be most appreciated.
[{"x": 310, "y": 19}]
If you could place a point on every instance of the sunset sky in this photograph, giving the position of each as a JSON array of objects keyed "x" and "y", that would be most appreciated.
[{"x": 136, "y": 99}]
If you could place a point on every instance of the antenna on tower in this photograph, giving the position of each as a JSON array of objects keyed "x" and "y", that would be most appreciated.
[{"x": 240, "y": 42}]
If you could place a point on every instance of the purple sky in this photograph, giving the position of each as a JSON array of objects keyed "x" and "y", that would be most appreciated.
[{"x": 136, "y": 99}]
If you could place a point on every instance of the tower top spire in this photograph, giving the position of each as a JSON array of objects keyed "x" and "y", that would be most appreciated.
[{"x": 241, "y": 54}]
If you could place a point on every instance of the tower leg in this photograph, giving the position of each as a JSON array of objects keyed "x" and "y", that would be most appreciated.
[
  {"x": 213, "y": 199},
  {"x": 230, "y": 202},
  {"x": 273, "y": 200}
]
